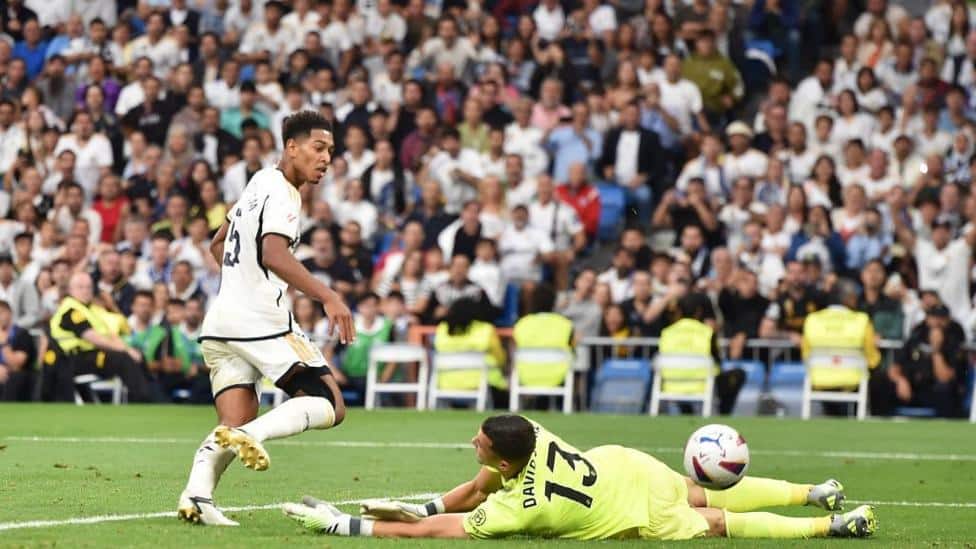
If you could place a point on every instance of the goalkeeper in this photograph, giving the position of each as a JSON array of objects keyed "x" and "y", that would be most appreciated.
[{"x": 533, "y": 483}]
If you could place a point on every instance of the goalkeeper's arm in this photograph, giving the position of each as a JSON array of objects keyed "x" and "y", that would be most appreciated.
[{"x": 462, "y": 499}]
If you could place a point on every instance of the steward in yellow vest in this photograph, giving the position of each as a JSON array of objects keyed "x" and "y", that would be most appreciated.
[
  {"x": 690, "y": 336},
  {"x": 86, "y": 337},
  {"x": 842, "y": 329},
  {"x": 543, "y": 329},
  {"x": 460, "y": 333}
]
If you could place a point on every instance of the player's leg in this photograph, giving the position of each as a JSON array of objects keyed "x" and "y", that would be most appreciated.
[
  {"x": 860, "y": 522},
  {"x": 233, "y": 383},
  {"x": 315, "y": 403},
  {"x": 752, "y": 493}
]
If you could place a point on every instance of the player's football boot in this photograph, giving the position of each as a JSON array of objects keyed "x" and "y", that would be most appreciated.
[
  {"x": 252, "y": 453},
  {"x": 828, "y": 495},
  {"x": 857, "y": 523},
  {"x": 200, "y": 510},
  {"x": 313, "y": 514}
]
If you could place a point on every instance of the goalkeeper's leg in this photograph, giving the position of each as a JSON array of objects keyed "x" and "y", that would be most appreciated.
[
  {"x": 753, "y": 493},
  {"x": 860, "y": 522},
  {"x": 316, "y": 403}
]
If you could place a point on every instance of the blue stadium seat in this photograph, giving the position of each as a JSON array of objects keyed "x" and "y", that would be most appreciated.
[
  {"x": 510, "y": 306},
  {"x": 621, "y": 386},
  {"x": 786, "y": 384},
  {"x": 612, "y": 211},
  {"x": 748, "y": 402}
]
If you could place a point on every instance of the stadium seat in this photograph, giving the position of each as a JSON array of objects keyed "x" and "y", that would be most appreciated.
[
  {"x": 836, "y": 360},
  {"x": 612, "y": 211},
  {"x": 397, "y": 353},
  {"x": 683, "y": 378},
  {"x": 463, "y": 361},
  {"x": 621, "y": 386},
  {"x": 786, "y": 386},
  {"x": 93, "y": 385},
  {"x": 510, "y": 306},
  {"x": 545, "y": 357},
  {"x": 747, "y": 403}
]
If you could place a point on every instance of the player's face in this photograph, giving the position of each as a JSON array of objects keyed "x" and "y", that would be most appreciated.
[
  {"x": 483, "y": 451},
  {"x": 313, "y": 156}
]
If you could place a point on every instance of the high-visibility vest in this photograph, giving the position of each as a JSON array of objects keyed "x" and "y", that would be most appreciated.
[
  {"x": 543, "y": 331},
  {"x": 688, "y": 337},
  {"x": 116, "y": 323},
  {"x": 479, "y": 339},
  {"x": 67, "y": 341},
  {"x": 837, "y": 328}
]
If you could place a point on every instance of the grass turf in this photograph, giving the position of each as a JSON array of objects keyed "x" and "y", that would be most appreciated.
[{"x": 55, "y": 479}]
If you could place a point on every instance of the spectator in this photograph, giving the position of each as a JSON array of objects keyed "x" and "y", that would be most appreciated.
[
  {"x": 462, "y": 331},
  {"x": 582, "y": 197},
  {"x": 742, "y": 160},
  {"x": 437, "y": 303},
  {"x": 572, "y": 142},
  {"x": 326, "y": 265},
  {"x": 631, "y": 155},
  {"x": 18, "y": 354},
  {"x": 796, "y": 299},
  {"x": 930, "y": 369},
  {"x": 31, "y": 48},
  {"x": 372, "y": 328},
  {"x": 457, "y": 171},
  {"x": 886, "y": 314},
  {"x": 524, "y": 248},
  {"x": 93, "y": 152},
  {"x": 562, "y": 224},
  {"x": 719, "y": 95},
  {"x": 487, "y": 272},
  {"x": 743, "y": 309},
  {"x": 461, "y": 236}
]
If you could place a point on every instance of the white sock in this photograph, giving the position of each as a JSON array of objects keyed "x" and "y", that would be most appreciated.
[
  {"x": 295, "y": 415},
  {"x": 209, "y": 462},
  {"x": 347, "y": 525}
]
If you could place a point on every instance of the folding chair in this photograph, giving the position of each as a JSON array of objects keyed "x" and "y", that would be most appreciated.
[
  {"x": 683, "y": 378},
  {"x": 823, "y": 361},
  {"x": 97, "y": 385},
  {"x": 542, "y": 358},
  {"x": 396, "y": 353},
  {"x": 460, "y": 362},
  {"x": 269, "y": 389},
  {"x": 621, "y": 386}
]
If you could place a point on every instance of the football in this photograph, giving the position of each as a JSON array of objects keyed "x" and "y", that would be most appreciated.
[{"x": 716, "y": 456}]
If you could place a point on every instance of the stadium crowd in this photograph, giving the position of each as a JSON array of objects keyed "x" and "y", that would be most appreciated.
[{"x": 745, "y": 154}]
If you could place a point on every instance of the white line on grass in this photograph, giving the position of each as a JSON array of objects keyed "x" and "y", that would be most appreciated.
[
  {"x": 897, "y": 456},
  {"x": 97, "y": 519},
  {"x": 913, "y": 503}
]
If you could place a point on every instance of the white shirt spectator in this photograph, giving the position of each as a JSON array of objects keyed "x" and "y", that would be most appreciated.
[
  {"x": 557, "y": 220},
  {"x": 260, "y": 38},
  {"x": 807, "y": 100},
  {"x": 131, "y": 96},
  {"x": 165, "y": 54},
  {"x": 488, "y": 275},
  {"x": 90, "y": 159},
  {"x": 223, "y": 96},
  {"x": 435, "y": 52},
  {"x": 602, "y": 19},
  {"x": 64, "y": 221},
  {"x": 896, "y": 81},
  {"x": 548, "y": 22},
  {"x": 386, "y": 92},
  {"x": 362, "y": 212},
  {"x": 751, "y": 163},
  {"x": 907, "y": 171},
  {"x": 359, "y": 165},
  {"x": 522, "y": 193},
  {"x": 625, "y": 168},
  {"x": 300, "y": 26},
  {"x": 682, "y": 100},
  {"x": 947, "y": 272},
  {"x": 716, "y": 183},
  {"x": 390, "y": 26},
  {"x": 527, "y": 142},
  {"x": 236, "y": 21},
  {"x": 620, "y": 288},
  {"x": 455, "y": 191},
  {"x": 858, "y": 126},
  {"x": 848, "y": 175},
  {"x": 521, "y": 250},
  {"x": 336, "y": 40},
  {"x": 893, "y": 15},
  {"x": 799, "y": 166},
  {"x": 877, "y": 189},
  {"x": 937, "y": 143},
  {"x": 884, "y": 140},
  {"x": 11, "y": 140},
  {"x": 233, "y": 183},
  {"x": 49, "y": 14}
]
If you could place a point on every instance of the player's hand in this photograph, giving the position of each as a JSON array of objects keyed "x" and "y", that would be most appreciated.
[
  {"x": 340, "y": 319},
  {"x": 395, "y": 511}
]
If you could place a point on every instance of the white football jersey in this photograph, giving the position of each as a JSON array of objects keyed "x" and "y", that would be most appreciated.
[{"x": 251, "y": 304}]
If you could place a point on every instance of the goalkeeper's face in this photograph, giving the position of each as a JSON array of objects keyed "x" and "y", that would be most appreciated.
[{"x": 483, "y": 452}]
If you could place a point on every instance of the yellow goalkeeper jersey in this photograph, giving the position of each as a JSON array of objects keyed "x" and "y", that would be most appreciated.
[{"x": 564, "y": 493}]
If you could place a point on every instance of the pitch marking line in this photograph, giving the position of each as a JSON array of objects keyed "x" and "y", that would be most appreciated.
[
  {"x": 896, "y": 456},
  {"x": 97, "y": 519}
]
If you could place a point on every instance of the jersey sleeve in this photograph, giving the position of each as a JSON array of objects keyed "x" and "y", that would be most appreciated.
[
  {"x": 499, "y": 516},
  {"x": 280, "y": 216}
]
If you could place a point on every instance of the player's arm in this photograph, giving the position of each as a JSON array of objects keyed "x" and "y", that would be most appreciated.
[
  {"x": 217, "y": 244},
  {"x": 465, "y": 497},
  {"x": 276, "y": 256},
  {"x": 440, "y": 526}
]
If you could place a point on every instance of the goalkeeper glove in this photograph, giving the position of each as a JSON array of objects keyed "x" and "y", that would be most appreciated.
[{"x": 400, "y": 511}]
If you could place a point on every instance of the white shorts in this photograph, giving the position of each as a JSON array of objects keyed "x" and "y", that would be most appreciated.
[{"x": 236, "y": 363}]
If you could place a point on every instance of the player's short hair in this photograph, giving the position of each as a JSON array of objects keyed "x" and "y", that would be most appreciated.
[
  {"x": 301, "y": 124},
  {"x": 512, "y": 437}
]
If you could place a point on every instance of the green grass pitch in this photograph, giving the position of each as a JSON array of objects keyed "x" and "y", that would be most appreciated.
[{"x": 65, "y": 462}]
